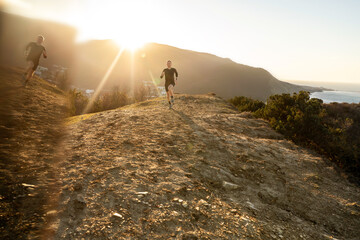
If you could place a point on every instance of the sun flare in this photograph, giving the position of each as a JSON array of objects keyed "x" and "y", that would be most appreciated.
[{"x": 131, "y": 44}]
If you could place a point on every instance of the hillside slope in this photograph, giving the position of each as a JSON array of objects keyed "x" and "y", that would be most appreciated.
[
  {"x": 31, "y": 131},
  {"x": 17, "y": 31},
  {"x": 199, "y": 73},
  {"x": 89, "y": 61},
  {"x": 199, "y": 171}
]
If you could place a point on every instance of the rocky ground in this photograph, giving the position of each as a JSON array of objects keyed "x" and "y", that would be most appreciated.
[
  {"x": 31, "y": 133},
  {"x": 199, "y": 171}
]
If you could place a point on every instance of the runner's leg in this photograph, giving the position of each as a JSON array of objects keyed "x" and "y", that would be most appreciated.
[
  {"x": 168, "y": 95},
  {"x": 30, "y": 70},
  {"x": 171, "y": 90},
  {"x": 30, "y": 74},
  {"x": 29, "y": 66},
  {"x": 171, "y": 93}
]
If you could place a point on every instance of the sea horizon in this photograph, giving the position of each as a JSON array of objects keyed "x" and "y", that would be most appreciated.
[{"x": 336, "y": 86}]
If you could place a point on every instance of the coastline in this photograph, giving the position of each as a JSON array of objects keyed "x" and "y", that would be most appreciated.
[{"x": 337, "y": 96}]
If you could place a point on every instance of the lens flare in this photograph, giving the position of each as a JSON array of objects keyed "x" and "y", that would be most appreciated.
[
  {"x": 154, "y": 82},
  {"x": 103, "y": 81}
]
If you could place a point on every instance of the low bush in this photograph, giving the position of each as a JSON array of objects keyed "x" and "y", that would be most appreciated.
[
  {"x": 111, "y": 100},
  {"x": 331, "y": 129},
  {"x": 245, "y": 104}
]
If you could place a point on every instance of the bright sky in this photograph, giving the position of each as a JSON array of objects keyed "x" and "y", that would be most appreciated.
[{"x": 313, "y": 40}]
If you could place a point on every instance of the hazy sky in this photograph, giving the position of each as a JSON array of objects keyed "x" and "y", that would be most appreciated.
[{"x": 314, "y": 40}]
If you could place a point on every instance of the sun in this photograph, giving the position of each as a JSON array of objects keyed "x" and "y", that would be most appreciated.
[
  {"x": 129, "y": 24},
  {"x": 131, "y": 44}
]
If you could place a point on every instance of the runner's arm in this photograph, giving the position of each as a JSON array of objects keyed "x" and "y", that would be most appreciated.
[
  {"x": 176, "y": 74},
  {"x": 26, "y": 52},
  {"x": 44, "y": 54},
  {"x": 28, "y": 46},
  {"x": 162, "y": 74}
]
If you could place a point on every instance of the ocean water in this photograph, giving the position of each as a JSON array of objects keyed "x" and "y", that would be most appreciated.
[
  {"x": 337, "y": 96},
  {"x": 338, "y": 86}
]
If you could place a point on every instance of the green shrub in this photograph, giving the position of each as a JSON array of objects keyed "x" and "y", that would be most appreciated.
[
  {"x": 331, "y": 129},
  {"x": 343, "y": 122},
  {"x": 78, "y": 102},
  {"x": 106, "y": 101},
  {"x": 247, "y": 104},
  {"x": 296, "y": 116},
  {"x": 114, "y": 99}
]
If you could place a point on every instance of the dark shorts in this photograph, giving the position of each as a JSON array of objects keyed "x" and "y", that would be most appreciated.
[
  {"x": 35, "y": 62},
  {"x": 168, "y": 83}
]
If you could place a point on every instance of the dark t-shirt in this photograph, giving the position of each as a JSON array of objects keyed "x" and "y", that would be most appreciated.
[
  {"x": 35, "y": 51},
  {"x": 169, "y": 74}
]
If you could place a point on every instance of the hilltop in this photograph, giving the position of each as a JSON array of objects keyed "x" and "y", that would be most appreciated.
[{"x": 200, "y": 171}]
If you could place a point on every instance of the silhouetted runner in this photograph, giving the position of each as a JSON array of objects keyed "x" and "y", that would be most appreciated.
[
  {"x": 170, "y": 82},
  {"x": 33, "y": 52}
]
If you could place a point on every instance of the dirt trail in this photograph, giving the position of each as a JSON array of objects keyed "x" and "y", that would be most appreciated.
[
  {"x": 31, "y": 129},
  {"x": 199, "y": 171}
]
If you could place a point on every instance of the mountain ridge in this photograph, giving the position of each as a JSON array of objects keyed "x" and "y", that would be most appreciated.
[
  {"x": 88, "y": 62},
  {"x": 199, "y": 72}
]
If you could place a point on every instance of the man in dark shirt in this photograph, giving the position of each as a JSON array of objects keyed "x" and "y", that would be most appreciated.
[
  {"x": 33, "y": 52},
  {"x": 170, "y": 82}
]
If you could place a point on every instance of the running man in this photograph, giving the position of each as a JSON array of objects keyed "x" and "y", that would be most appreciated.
[
  {"x": 170, "y": 82},
  {"x": 33, "y": 52}
]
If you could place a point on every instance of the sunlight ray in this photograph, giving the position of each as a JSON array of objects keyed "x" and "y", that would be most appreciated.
[
  {"x": 103, "y": 81},
  {"x": 154, "y": 83},
  {"x": 132, "y": 74}
]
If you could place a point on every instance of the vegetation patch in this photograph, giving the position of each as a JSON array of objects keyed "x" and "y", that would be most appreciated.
[{"x": 331, "y": 129}]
